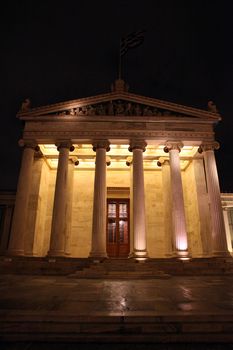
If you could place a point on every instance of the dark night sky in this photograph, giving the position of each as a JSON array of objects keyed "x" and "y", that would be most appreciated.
[{"x": 54, "y": 52}]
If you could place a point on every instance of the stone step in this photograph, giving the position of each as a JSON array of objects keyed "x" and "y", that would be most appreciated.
[
  {"x": 119, "y": 276},
  {"x": 67, "y": 266},
  {"x": 125, "y": 268},
  {"x": 103, "y": 271},
  {"x": 131, "y": 269}
]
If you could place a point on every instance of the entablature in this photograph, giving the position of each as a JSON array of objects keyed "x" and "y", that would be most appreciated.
[{"x": 47, "y": 130}]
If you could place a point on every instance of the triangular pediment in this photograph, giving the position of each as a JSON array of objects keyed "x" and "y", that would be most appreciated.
[{"x": 118, "y": 104}]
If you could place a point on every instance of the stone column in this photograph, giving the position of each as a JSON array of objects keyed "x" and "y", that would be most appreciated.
[
  {"x": 129, "y": 163},
  {"x": 217, "y": 222},
  {"x": 71, "y": 164},
  {"x": 98, "y": 244},
  {"x": 227, "y": 228},
  {"x": 178, "y": 212},
  {"x": 139, "y": 219},
  {"x": 167, "y": 202},
  {"x": 203, "y": 207},
  {"x": 30, "y": 246},
  {"x": 19, "y": 222},
  {"x": 60, "y": 206},
  {"x": 6, "y": 223}
]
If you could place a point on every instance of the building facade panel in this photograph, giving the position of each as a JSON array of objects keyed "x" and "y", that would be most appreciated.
[{"x": 119, "y": 145}]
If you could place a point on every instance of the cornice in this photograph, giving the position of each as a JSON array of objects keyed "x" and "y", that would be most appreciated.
[{"x": 131, "y": 119}]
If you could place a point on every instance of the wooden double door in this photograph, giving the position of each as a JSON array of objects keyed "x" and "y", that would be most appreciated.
[{"x": 118, "y": 239}]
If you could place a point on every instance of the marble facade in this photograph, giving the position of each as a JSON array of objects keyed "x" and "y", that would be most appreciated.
[{"x": 158, "y": 154}]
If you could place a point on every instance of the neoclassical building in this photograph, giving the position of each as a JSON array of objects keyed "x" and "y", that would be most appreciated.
[{"x": 118, "y": 175}]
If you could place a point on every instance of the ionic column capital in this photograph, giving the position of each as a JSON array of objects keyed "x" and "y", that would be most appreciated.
[
  {"x": 162, "y": 161},
  {"x": 137, "y": 144},
  {"x": 101, "y": 144},
  {"x": 173, "y": 145},
  {"x": 129, "y": 161},
  {"x": 74, "y": 160},
  {"x": 208, "y": 146},
  {"x": 64, "y": 144},
  {"x": 108, "y": 161},
  {"x": 29, "y": 144}
]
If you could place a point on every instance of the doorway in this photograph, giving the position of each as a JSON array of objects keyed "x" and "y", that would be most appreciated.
[{"x": 118, "y": 241}]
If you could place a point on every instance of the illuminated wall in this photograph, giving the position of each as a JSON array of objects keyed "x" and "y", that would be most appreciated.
[{"x": 118, "y": 175}]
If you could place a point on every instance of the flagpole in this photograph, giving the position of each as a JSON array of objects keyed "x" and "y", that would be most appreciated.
[
  {"x": 119, "y": 67},
  {"x": 130, "y": 41}
]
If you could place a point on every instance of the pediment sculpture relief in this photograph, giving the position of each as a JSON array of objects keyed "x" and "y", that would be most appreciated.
[{"x": 117, "y": 108}]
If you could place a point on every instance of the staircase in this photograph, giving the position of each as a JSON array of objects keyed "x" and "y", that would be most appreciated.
[
  {"x": 120, "y": 269},
  {"x": 115, "y": 268}
]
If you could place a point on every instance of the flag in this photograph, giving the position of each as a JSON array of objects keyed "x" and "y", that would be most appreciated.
[{"x": 131, "y": 40}]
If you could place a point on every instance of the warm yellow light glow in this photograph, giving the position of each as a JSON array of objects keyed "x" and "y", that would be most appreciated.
[
  {"x": 119, "y": 146},
  {"x": 184, "y": 164},
  {"x": 86, "y": 164},
  {"x": 141, "y": 259},
  {"x": 83, "y": 145},
  {"x": 49, "y": 147},
  {"x": 118, "y": 156},
  {"x": 52, "y": 163},
  {"x": 182, "y": 244},
  {"x": 188, "y": 151},
  {"x": 48, "y": 150}
]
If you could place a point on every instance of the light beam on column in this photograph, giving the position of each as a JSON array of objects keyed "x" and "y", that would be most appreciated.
[
  {"x": 178, "y": 212},
  {"x": 98, "y": 244},
  {"x": 139, "y": 220}
]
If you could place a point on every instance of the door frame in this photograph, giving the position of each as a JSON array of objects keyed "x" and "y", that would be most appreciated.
[{"x": 118, "y": 247}]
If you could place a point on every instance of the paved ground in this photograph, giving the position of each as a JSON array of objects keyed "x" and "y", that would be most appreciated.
[
  {"x": 174, "y": 296},
  {"x": 26, "y": 299}
]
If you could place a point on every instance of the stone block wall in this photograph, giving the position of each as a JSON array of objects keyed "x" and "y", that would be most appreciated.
[
  {"x": 156, "y": 243},
  {"x": 191, "y": 211},
  {"x": 82, "y": 210}
]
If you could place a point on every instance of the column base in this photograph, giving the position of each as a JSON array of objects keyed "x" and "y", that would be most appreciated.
[
  {"x": 140, "y": 255},
  {"x": 182, "y": 255},
  {"x": 98, "y": 255},
  {"x": 219, "y": 254},
  {"x": 15, "y": 252},
  {"x": 31, "y": 254},
  {"x": 56, "y": 253}
]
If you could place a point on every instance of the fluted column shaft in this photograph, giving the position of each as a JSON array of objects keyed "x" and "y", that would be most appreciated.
[
  {"x": 227, "y": 228},
  {"x": 71, "y": 165},
  {"x": 139, "y": 220},
  {"x": 31, "y": 234},
  {"x": 60, "y": 206},
  {"x": 98, "y": 244},
  {"x": 16, "y": 244},
  {"x": 217, "y": 222},
  {"x": 166, "y": 179},
  {"x": 178, "y": 212}
]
